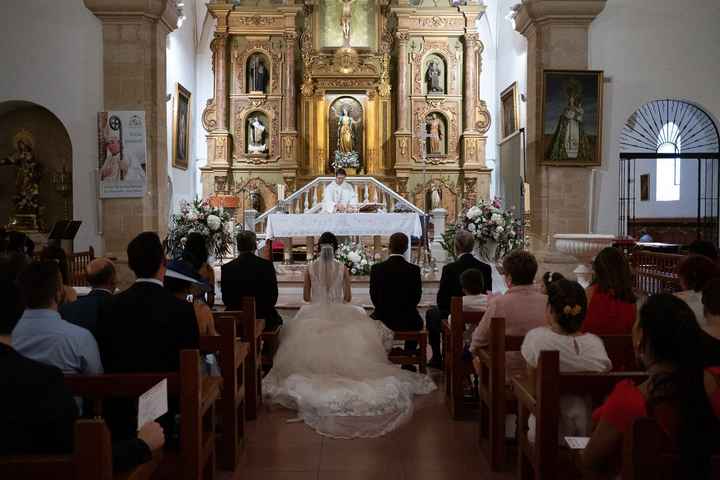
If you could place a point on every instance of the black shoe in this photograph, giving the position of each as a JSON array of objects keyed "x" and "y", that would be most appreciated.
[
  {"x": 436, "y": 362},
  {"x": 411, "y": 368}
]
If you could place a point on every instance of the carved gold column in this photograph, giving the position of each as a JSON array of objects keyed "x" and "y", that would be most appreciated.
[
  {"x": 403, "y": 135},
  {"x": 289, "y": 133},
  {"x": 219, "y": 146},
  {"x": 134, "y": 63},
  {"x": 470, "y": 82}
]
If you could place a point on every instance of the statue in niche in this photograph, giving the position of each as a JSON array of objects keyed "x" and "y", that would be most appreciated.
[
  {"x": 436, "y": 134},
  {"x": 258, "y": 74},
  {"x": 434, "y": 79},
  {"x": 27, "y": 179},
  {"x": 257, "y": 134},
  {"x": 348, "y": 141},
  {"x": 346, "y": 133}
]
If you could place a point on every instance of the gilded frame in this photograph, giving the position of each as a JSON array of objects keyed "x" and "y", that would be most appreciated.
[
  {"x": 592, "y": 115},
  {"x": 181, "y": 128},
  {"x": 509, "y": 126}
]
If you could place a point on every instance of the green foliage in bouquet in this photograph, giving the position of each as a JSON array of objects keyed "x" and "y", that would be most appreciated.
[
  {"x": 354, "y": 257},
  {"x": 199, "y": 216}
]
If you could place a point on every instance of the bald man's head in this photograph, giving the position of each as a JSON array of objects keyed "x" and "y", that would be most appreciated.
[{"x": 101, "y": 274}]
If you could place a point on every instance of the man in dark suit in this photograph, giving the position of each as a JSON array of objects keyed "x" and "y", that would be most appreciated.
[
  {"x": 84, "y": 312},
  {"x": 396, "y": 289},
  {"x": 144, "y": 328},
  {"x": 450, "y": 287},
  {"x": 251, "y": 276}
]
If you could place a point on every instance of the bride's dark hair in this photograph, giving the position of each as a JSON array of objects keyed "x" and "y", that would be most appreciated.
[{"x": 328, "y": 238}]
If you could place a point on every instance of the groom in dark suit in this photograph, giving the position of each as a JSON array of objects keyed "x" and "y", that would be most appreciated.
[
  {"x": 395, "y": 290},
  {"x": 251, "y": 276},
  {"x": 450, "y": 287}
]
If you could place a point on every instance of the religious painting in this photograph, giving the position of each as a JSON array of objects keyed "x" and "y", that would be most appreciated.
[
  {"x": 345, "y": 136},
  {"x": 122, "y": 148},
  {"x": 644, "y": 187},
  {"x": 347, "y": 23},
  {"x": 181, "y": 128},
  {"x": 572, "y": 117},
  {"x": 510, "y": 114}
]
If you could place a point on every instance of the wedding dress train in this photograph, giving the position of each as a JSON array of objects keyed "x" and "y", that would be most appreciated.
[{"x": 332, "y": 365}]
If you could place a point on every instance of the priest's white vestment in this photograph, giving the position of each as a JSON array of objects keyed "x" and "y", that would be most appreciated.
[{"x": 343, "y": 194}]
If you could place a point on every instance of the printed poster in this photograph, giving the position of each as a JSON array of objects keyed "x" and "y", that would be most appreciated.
[{"x": 122, "y": 154}]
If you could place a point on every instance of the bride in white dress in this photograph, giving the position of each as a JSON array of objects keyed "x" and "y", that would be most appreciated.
[{"x": 332, "y": 365}]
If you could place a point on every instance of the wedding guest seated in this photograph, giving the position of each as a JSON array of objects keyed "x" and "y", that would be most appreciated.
[
  {"x": 38, "y": 413},
  {"x": 251, "y": 276},
  {"x": 450, "y": 287},
  {"x": 19, "y": 243},
  {"x": 56, "y": 254},
  {"x": 695, "y": 272},
  {"x": 680, "y": 393},
  {"x": 611, "y": 301},
  {"x": 711, "y": 334},
  {"x": 522, "y": 306},
  {"x": 549, "y": 278},
  {"x": 181, "y": 280},
  {"x": 84, "y": 312},
  {"x": 42, "y": 335},
  {"x": 396, "y": 289},
  {"x": 474, "y": 299},
  {"x": 196, "y": 253},
  {"x": 144, "y": 328},
  {"x": 579, "y": 352},
  {"x": 11, "y": 266}
]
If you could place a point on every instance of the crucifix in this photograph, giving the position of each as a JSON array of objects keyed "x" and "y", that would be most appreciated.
[{"x": 345, "y": 18}]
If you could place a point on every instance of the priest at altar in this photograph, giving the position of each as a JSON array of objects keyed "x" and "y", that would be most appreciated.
[{"x": 339, "y": 194}]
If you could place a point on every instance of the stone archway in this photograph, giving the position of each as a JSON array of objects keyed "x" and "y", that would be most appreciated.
[{"x": 31, "y": 131}]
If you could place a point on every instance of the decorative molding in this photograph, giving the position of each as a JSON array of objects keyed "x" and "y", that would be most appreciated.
[
  {"x": 209, "y": 116},
  {"x": 441, "y": 48}
]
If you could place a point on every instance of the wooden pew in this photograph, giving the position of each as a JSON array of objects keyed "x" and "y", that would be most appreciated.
[
  {"x": 271, "y": 342},
  {"x": 91, "y": 459},
  {"x": 232, "y": 355},
  {"x": 250, "y": 330},
  {"x": 648, "y": 454},
  {"x": 418, "y": 357},
  {"x": 457, "y": 370},
  {"x": 541, "y": 460},
  {"x": 496, "y": 398},
  {"x": 197, "y": 394},
  {"x": 621, "y": 352}
]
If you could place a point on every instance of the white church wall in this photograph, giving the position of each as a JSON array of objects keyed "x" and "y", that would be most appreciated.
[
  {"x": 181, "y": 69},
  {"x": 52, "y": 56},
  {"x": 488, "y": 36},
  {"x": 652, "y": 49},
  {"x": 204, "y": 88}
]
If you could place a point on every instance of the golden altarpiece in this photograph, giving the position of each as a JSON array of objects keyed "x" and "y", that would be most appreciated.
[{"x": 404, "y": 78}]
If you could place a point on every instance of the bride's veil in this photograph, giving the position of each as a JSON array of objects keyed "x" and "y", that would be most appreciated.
[{"x": 326, "y": 270}]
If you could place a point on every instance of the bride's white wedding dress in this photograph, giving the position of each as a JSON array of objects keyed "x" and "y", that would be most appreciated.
[{"x": 332, "y": 365}]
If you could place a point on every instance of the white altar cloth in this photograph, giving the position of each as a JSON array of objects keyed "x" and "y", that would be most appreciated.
[{"x": 342, "y": 224}]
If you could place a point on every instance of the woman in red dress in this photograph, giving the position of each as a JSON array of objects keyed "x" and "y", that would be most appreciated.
[
  {"x": 611, "y": 301},
  {"x": 680, "y": 393}
]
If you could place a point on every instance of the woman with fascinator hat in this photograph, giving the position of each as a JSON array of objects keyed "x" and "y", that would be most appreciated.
[{"x": 332, "y": 365}]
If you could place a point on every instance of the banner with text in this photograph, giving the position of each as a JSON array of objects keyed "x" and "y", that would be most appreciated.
[{"x": 122, "y": 150}]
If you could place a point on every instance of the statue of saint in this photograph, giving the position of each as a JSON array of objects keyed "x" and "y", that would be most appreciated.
[
  {"x": 258, "y": 74},
  {"x": 345, "y": 18},
  {"x": 27, "y": 180},
  {"x": 346, "y": 133},
  {"x": 434, "y": 78},
  {"x": 257, "y": 132},
  {"x": 436, "y": 134}
]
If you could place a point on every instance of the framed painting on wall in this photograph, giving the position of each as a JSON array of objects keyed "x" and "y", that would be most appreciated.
[
  {"x": 572, "y": 117},
  {"x": 510, "y": 113},
  {"x": 644, "y": 187},
  {"x": 181, "y": 128}
]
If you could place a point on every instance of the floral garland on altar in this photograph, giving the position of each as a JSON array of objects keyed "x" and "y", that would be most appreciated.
[
  {"x": 354, "y": 257},
  {"x": 199, "y": 216},
  {"x": 492, "y": 226}
]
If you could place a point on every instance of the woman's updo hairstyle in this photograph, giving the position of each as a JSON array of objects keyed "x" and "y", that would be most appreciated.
[
  {"x": 568, "y": 303},
  {"x": 329, "y": 238},
  {"x": 549, "y": 278}
]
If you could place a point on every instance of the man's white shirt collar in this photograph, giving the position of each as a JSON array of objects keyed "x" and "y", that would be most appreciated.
[{"x": 150, "y": 280}]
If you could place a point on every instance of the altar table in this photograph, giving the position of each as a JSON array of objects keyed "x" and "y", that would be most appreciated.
[{"x": 342, "y": 224}]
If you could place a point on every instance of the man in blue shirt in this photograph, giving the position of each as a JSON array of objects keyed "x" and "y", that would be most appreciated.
[{"x": 42, "y": 335}]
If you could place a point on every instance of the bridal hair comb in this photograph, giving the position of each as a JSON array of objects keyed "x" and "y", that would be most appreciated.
[{"x": 572, "y": 311}]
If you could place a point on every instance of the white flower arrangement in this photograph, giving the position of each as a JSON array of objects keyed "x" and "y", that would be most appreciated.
[
  {"x": 200, "y": 217},
  {"x": 354, "y": 257}
]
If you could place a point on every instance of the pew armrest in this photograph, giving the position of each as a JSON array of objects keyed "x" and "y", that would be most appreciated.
[{"x": 521, "y": 389}]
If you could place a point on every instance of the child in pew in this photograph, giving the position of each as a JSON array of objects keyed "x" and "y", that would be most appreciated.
[
  {"x": 474, "y": 300},
  {"x": 548, "y": 278},
  {"x": 680, "y": 393},
  {"x": 579, "y": 352}
]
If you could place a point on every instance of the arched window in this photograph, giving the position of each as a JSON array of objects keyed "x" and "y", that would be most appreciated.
[{"x": 667, "y": 185}]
